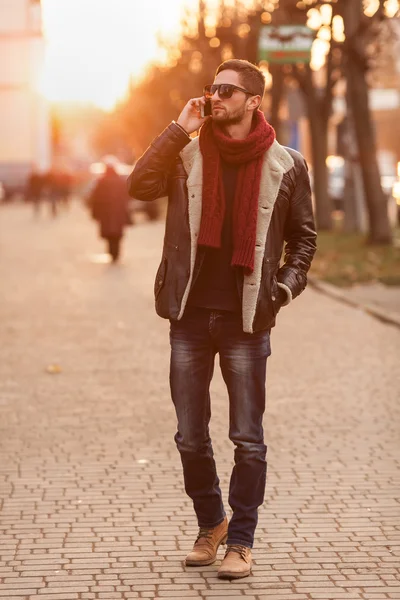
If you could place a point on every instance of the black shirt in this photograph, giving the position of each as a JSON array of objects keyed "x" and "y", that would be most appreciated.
[{"x": 216, "y": 285}]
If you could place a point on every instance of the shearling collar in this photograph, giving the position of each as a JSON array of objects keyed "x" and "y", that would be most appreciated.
[{"x": 277, "y": 161}]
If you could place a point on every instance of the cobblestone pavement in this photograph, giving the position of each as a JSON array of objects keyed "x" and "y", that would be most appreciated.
[{"x": 92, "y": 502}]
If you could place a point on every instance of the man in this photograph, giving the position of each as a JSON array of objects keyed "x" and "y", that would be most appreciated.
[
  {"x": 109, "y": 206},
  {"x": 234, "y": 197}
]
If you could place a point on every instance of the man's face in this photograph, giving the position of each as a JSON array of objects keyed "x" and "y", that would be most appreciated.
[{"x": 231, "y": 110}]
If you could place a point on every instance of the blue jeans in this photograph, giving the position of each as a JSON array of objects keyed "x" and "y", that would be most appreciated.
[{"x": 195, "y": 340}]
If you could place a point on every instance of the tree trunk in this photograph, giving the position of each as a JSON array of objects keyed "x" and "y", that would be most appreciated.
[
  {"x": 355, "y": 216},
  {"x": 277, "y": 90},
  {"x": 379, "y": 226},
  {"x": 318, "y": 112},
  {"x": 319, "y": 143}
]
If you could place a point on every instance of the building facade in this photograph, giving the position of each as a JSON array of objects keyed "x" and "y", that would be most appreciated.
[{"x": 25, "y": 140}]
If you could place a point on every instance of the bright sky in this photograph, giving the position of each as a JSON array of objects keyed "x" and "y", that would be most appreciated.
[{"x": 93, "y": 46}]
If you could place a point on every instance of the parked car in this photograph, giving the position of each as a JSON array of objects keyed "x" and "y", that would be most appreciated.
[
  {"x": 337, "y": 177},
  {"x": 336, "y": 180},
  {"x": 13, "y": 178}
]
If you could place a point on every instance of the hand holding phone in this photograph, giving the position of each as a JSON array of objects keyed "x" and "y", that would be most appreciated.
[
  {"x": 205, "y": 110},
  {"x": 191, "y": 117}
]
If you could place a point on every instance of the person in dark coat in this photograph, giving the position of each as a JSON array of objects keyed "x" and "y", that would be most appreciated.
[
  {"x": 109, "y": 204},
  {"x": 53, "y": 184},
  {"x": 34, "y": 189}
]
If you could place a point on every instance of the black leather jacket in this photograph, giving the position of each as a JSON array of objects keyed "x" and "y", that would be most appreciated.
[{"x": 172, "y": 166}]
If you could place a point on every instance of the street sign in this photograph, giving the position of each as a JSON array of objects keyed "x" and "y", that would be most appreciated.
[{"x": 285, "y": 43}]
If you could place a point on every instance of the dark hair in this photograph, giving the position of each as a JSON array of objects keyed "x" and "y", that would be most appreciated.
[{"x": 251, "y": 77}]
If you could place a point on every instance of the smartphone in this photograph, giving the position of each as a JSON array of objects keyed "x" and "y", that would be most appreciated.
[{"x": 205, "y": 109}]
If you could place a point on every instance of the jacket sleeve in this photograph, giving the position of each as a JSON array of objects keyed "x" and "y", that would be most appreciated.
[
  {"x": 300, "y": 237},
  {"x": 149, "y": 178}
]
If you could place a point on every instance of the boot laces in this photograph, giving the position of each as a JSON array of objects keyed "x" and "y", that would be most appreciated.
[
  {"x": 242, "y": 550},
  {"x": 204, "y": 533}
]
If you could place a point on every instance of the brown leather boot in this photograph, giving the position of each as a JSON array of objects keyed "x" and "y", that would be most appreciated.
[
  {"x": 206, "y": 546},
  {"x": 236, "y": 563}
]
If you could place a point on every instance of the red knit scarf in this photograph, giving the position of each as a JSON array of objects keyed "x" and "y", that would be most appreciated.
[{"x": 247, "y": 153}]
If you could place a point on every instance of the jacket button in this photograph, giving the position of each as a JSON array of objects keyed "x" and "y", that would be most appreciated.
[{"x": 273, "y": 298}]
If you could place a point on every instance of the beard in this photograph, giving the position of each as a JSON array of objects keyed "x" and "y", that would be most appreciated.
[{"x": 225, "y": 117}]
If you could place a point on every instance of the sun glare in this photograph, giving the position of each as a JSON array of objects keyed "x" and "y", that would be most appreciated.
[{"x": 93, "y": 48}]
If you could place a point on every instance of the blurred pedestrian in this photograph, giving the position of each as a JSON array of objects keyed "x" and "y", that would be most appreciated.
[
  {"x": 54, "y": 190},
  {"x": 34, "y": 189},
  {"x": 65, "y": 182},
  {"x": 109, "y": 205},
  {"x": 235, "y": 195}
]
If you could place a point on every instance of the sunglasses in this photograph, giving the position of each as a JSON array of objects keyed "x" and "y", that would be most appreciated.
[{"x": 225, "y": 90}]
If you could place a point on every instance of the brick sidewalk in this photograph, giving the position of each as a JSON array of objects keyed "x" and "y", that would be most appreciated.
[{"x": 91, "y": 495}]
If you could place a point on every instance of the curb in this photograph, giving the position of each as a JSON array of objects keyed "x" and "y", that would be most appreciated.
[{"x": 386, "y": 316}]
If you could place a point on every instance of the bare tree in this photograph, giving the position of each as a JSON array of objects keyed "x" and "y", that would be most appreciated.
[
  {"x": 157, "y": 100},
  {"x": 318, "y": 99},
  {"x": 361, "y": 32}
]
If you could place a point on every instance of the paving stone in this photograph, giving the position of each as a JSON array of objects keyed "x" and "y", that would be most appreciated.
[{"x": 91, "y": 491}]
